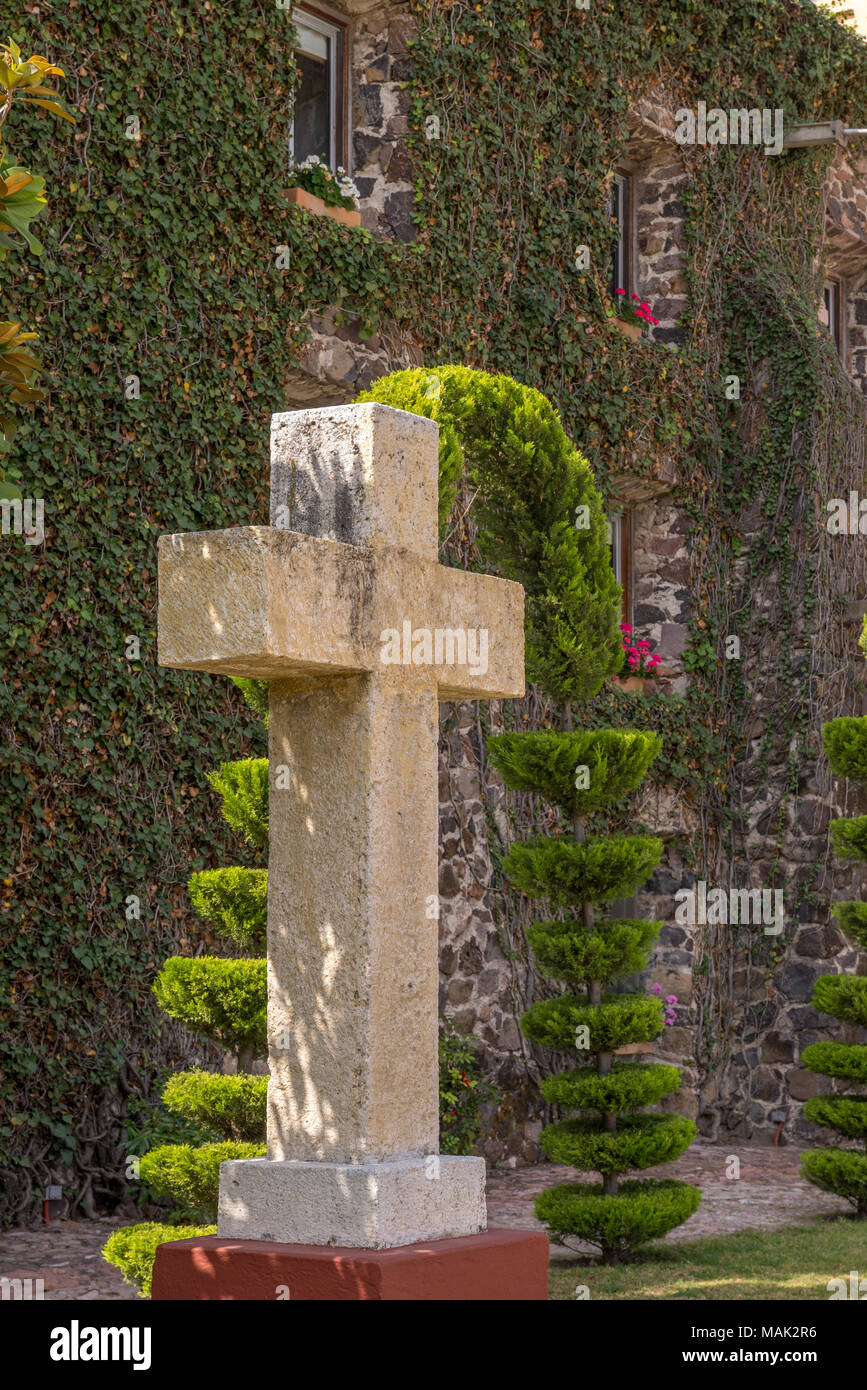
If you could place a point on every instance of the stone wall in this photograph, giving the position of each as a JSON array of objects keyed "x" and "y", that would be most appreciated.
[
  {"x": 487, "y": 978},
  {"x": 335, "y": 363}
]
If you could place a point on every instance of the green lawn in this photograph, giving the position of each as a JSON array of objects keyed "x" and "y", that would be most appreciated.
[{"x": 789, "y": 1263}]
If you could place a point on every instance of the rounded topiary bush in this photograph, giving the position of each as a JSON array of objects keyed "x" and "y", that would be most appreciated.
[
  {"x": 223, "y": 998},
  {"x": 627, "y": 1086},
  {"x": 133, "y": 1249},
  {"x": 840, "y": 1171},
  {"x": 614, "y": 1021},
  {"x": 191, "y": 1176},
  {"x": 235, "y": 900},
  {"x": 233, "y": 1106},
  {"x": 642, "y": 1209},
  {"x": 640, "y": 1141}
]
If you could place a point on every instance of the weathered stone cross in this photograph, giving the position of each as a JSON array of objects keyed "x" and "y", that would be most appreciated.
[{"x": 360, "y": 632}]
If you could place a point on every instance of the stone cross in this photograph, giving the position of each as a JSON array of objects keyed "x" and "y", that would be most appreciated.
[{"x": 342, "y": 606}]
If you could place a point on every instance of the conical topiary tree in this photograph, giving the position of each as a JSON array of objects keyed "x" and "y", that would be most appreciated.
[
  {"x": 581, "y": 773},
  {"x": 223, "y": 999},
  {"x": 843, "y": 1171}
]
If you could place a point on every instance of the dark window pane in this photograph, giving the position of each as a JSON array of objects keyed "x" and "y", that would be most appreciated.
[
  {"x": 617, "y": 216},
  {"x": 312, "y": 110}
]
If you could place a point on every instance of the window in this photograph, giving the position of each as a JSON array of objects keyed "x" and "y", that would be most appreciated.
[
  {"x": 620, "y": 541},
  {"x": 621, "y": 277},
  {"x": 831, "y": 312},
  {"x": 318, "y": 125}
]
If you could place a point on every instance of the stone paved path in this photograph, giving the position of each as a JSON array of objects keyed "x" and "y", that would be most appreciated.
[
  {"x": 768, "y": 1193},
  {"x": 66, "y": 1255}
]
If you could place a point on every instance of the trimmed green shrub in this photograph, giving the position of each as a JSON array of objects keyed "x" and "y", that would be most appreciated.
[
  {"x": 840, "y": 1171},
  {"x": 846, "y": 748},
  {"x": 847, "y": 1114},
  {"x": 853, "y": 922},
  {"x": 232, "y": 1106},
  {"x": 623, "y": 949},
  {"x": 586, "y": 953},
  {"x": 849, "y": 837},
  {"x": 843, "y": 996},
  {"x": 191, "y": 1176},
  {"x": 563, "y": 871},
  {"x": 845, "y": 1060},
  {"x": 235, "y": 900},
  {"x": 256, "y": 695},
  {"x": 627, "y": 1086},
  {"x": 545, "y": 761},
  {"x": 540, "y": 516},
  {"x": 133, "y": 1249},
  {"x": 642, "y": 1209},
  {"x": 640, "y": 1141},
  {"x": 618, "y": 1019},
  {"x": 244, "y": 788},
  {"x": 226, "y": 999}
]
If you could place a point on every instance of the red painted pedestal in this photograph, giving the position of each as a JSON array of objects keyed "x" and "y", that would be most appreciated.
[{"x": 496, "y": 1265}]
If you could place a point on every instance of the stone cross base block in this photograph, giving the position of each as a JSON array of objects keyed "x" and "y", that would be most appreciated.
[
  {"x": 373, "y": 1205},
  {"x": 499, "y": 1265}
]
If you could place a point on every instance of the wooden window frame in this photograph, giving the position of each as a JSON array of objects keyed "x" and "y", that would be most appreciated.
[
  {"x": 620, "y": 525},
  {"x": 835, "y": 309},
  {"x": 621, "y": 267},
  {"x": 335, "y": 29}
]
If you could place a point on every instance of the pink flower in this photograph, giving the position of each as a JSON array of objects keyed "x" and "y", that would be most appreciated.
[
  {"x": 657, "y": 989},
  {"x": 643, "y": 646},
  {"x": 671, "y": 999},
  {"x": 654, "y": 660},
  {"x": 619, "y": 291},
  {"x": 633, "y": 296},
  {"x": 625, "y": 627}
]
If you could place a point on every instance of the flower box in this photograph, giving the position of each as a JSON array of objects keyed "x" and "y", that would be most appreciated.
[
  {"x": 350, "y": 217},
  {"x": 629, "y": 330},
  {"x": 643, "y": 685},
  {"x": 632, "y": 683}
]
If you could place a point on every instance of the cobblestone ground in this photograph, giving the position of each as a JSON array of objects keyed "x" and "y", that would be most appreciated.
[{"x": 768, "y": 1193}]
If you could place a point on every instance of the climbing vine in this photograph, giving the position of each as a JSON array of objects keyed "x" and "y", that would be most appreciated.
[{"x": 175, "y": 287}]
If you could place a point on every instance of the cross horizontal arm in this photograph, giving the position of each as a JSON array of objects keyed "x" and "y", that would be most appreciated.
[
  {"x": 278, "y": 605},
  {"x": 261, "y": 603}
]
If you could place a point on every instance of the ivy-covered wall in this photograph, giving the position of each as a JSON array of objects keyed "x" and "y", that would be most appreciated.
[{"x": 171, "y": 258}]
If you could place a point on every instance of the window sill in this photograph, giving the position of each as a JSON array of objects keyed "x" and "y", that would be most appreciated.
[{"x": 349, "y": 217}]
